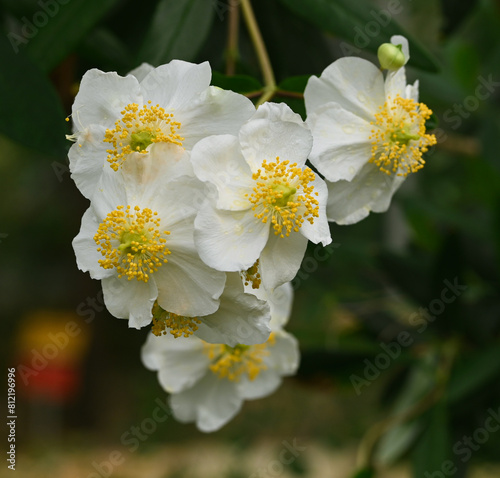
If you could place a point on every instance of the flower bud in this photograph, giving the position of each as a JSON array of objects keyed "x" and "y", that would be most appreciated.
[{"x": 391, "y": 57}]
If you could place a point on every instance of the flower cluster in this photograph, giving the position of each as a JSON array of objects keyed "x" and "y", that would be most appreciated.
[{"x": 202, "y": 206}]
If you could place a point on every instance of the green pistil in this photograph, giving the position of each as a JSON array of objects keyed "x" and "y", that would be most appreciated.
[
  {"x": 141, "y": 140},
  {"x": 237, "y": 349},
  {"x": 402, "y": 137},
  {"x": 129, "y": 242},
  {"x": 286, "y": 193}
]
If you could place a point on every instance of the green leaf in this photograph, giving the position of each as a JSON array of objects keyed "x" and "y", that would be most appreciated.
[
  {"x": 237, "y": 83},
  {"x": 473, "y": 372},
  {"x": 178, "y": 30},
  {"x": 33, "y": 115},
  {"x": 295, "y": 83},
  {"x": 433, "y": 450},
  {"x": 361, "y": 24},
  {"x": 365, "y": 473},
  {"x": 66, "y": 26}
]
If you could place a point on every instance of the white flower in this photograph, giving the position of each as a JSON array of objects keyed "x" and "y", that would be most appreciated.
[
  {"x": 369, "y": 134},
  {"x": 114, "y": 116},
  {"x": 209, "y": 382},
  {"x": 137, "y": 237},
  {"x": 268, "y": 203}
]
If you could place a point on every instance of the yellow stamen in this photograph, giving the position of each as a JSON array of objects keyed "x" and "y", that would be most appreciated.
[
  {"x": 232, "y": 362},
  {"x": 282, "y": 194},
  {"x": 177, "y": 325},
  {"x": 132, "y": 242},
  {"x": 252, "y": 275},
  {"x": 137, "y": 129},
  {"x": 398, "y": 138}
]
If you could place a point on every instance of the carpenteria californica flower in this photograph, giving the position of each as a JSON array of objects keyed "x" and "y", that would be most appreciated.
[
  {"x": 369, "y": 134},
  {"x": 115, "y": 116},
  {"x": 265, "y": 203},
  {"x": 137, "y": 237},
  {"x": 209, "y": 382}
]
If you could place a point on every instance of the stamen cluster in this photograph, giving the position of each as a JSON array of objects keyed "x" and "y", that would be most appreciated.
[
  {"x": 282, "y": 194},
  {"x": 132, "y": 242}
]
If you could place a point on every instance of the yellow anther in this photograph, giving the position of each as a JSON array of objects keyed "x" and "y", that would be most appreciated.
[
  {"x": 252, "y": 275},
  {"x": 177, "y": 325},
  {"x": 233, "y": 362},
  {"x": 137, "y": 129},
  {"x": 132, "y": 242},
  {"x": 283, "y": 196},
  {"x": 398, "y": 138}
]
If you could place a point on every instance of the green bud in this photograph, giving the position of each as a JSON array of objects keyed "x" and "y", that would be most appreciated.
[{"x": 391, "y": 57}]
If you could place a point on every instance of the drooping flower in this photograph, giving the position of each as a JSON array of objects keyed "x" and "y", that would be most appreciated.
[
  {"x": 369, "y": 134},
  {"x": 266, "y": 203},
  {"x": 137, "y": 237},
  {"x": 209, "y": 382},
  {"x": 115, "y": 117}
]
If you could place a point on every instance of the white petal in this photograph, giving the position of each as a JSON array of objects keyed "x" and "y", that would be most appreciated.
[
  {"x": 281, "y": 258},
  {"x": 275, "y": 131},
  {"x": 187, "y": 286},
  {"x": 240, "y": 319},
  {"x": 341, "y": 141},
  {"x": 401, "y": 40},
  {"x": 146, "y": 174},
  {"x": 229, "y": 240},
  {"x": 214, "y": 112},
  {"x": 395, "y": 83},
  {"x": 212, "y": 402},
  {"x": 130, "y": 299},
  {"x": 261, "y": 386},
  {"x": 284, "y": 354},
  {"x": 102, "y": 97},
  {"x": 350, "y": 202},
  {"x": 280, "y": 301},
  {"x": 141, "y": 71},
  {"x": 87, "y": 159},
  {"x": 412, "y": 91},
  {"x": 176, "y": 84},
  {"x": 218, "y": 160},
  {"x": 319, "y": 230},
  {"x": 355, "y": 84},
  {"x": 180, "y": 362},
  {"x": 87, "y": 256}
]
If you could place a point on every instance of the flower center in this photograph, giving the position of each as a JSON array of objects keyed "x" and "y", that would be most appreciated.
[
  {"x": 132, "y": 243},
  {"x": 232, "y": 362},
  {"x": 398, "y": 138},
  {"x": 282, "y": 194},
  {"x": 252, "y": 275},
  {"x": 137, "y": 129},
  {"x": 178, "y": 325}
]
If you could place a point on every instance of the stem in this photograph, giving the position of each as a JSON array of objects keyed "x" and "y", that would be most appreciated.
[
  {"x": 232, "y": 40},
  {"x": 260, "y": 48}
]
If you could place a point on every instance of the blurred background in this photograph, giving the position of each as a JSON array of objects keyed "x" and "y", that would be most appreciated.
[{"x": 398, "y": 320}]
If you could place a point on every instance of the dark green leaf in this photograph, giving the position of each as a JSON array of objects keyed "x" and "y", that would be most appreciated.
[
  {"x": 473, "y": 372},
  {"x": 65, "y": 27},
  {"x": 433, "y": 449},
  {"x": 294, "y": 83},
  {"x": 365, "y": 473},
  {"x": 32, "y": 113},
  {"x": 178, "y": 30},
  {"x": 238, "y": 83},
  {"x": 361, "y": 24}
]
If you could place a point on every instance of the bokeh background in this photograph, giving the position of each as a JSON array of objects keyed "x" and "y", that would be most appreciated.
[{"x": 385, "y": 388}]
